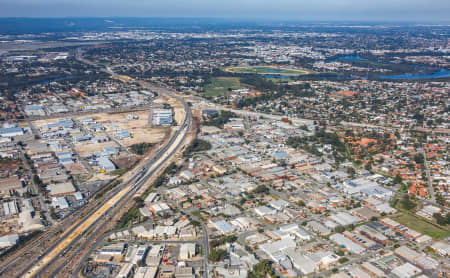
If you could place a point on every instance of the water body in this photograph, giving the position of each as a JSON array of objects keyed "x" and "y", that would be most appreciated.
[
  {"x": 355, "y": 57},
  {"x": 279, "y": 76},
  {"x": 443, "y": 73},
  {"x": 276, "y": 70},
  {"x": 55, "y": 79},
  {"x": 349, "y": 58}
]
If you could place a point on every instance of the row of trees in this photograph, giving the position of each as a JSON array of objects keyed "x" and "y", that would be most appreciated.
[
  {"x": 140, "y": 148},
  {"x": 222, "y": 118},
  {"x": 197, "y": 145}
]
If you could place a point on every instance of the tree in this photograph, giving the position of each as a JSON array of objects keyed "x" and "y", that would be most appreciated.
[
  {"x": 139, "y": 201},
  {"x": 262, "y": 269},
  {"x": 53, "y": 213},
  {"x": 442, "y": 220},
  {"x": 351, "y": 171},
  {"x": 140, "y": 148},
  {"x": 440, "y": 199},
  {"x": 140, "y": 263},
  {"x": 217, "y": 255},
  {"x": 397, "y": 179},
  {"x": 222, "y": 240},
  {"x": 221, "y": 119},
  {"x": 406, "y": 203},
  {"x": 339, "y": 229},
  {"x": 419, "y": 158},
  {"x": 261, "y": 189},
  {"x": 196, "y": 146},
  {"x": 195, "y": 223}
]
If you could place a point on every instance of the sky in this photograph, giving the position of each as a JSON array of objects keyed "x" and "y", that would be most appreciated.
[{"x": 301, "y": 10}]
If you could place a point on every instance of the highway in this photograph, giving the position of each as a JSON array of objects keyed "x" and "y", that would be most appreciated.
[{"x": 119, "y": 196}]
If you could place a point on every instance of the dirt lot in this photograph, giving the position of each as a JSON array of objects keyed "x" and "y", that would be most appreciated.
[
  {"x": 76, "y": 168},
  {"x": 8, "y": 167},
  {"x": 148, "y": 135},
  {"x": 40, "y": 123},
  {"x": 125, "y": 161},
  {"x": 178, "y": 110},
  {"x": 121, "y": 120},
  {"x": 100, "y": 177},
  {"x": 84, "y": 149},
  {"x": 179, "y": 115},
  {"x": 138, "y": 128}
]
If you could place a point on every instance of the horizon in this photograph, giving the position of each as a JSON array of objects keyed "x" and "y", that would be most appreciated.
[
  {"x": 284, "y": 10},
  {"x": 246, "y": 20}
]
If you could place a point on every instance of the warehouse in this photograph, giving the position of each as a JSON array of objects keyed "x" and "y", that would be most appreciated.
[
  {"x": 60, "y": 202},
  {"x": 105, "y": 164},
  {"x": 60, "y": 189},
  {"x": 187, "y": 251},
  {"x": 162, "y": 117},
  {"x": 146, "y": 272},
  {"x": 116, "y": 249},
  {"x": 442, "y": 248},
  {"x": 301, "y": 262},
  {"x": 407, "y": 253},
  {"x": 8, "y": 240},
  {"x": 223, "y": 226},
  {"x": 125, "y": 271},
  {"x": 140, "y": 254},
  {"x": 10, "y": 208},
  {"x": 348, "y": 244},
  {"x": 406, "y": 270},
  {"x": 122, "y": 134},
  {"x": 11, "y": 132},
  {"x": 275, "y": 249},
  {"x": 345, "y": 219}
]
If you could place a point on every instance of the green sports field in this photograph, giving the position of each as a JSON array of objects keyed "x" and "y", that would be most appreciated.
[{"x": 220, "y": 85}]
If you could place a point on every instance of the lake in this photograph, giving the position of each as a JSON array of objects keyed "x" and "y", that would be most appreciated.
[
  {"x": 443, "y": 73},
  {"x": 349, "y": 58}
]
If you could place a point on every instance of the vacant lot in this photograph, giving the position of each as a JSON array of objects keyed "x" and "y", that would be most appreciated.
[
  {"x": 89, "y": 148},
  {"x": 220, "y": 86},
  {"x": 418, "y": 224},
  {"x": 147, "y": 135},
  {"x": 138, "y": 128},
  {"x": 120, "y": 119}
]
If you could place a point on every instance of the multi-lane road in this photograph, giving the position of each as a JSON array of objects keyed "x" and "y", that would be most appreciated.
[{"x": 119, "y": 196}]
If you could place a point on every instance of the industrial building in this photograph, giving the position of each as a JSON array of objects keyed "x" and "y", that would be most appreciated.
[
  {"x": 8, "y": 240},
  {"x": 11, "y": 132},
  {"x": 105, "y": 164},
  {"x": 187, "y": 251},
  {"x": 162, "y": 117}
]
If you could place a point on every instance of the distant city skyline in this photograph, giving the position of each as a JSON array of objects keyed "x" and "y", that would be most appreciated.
[{"x": 299, "y": 10}]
